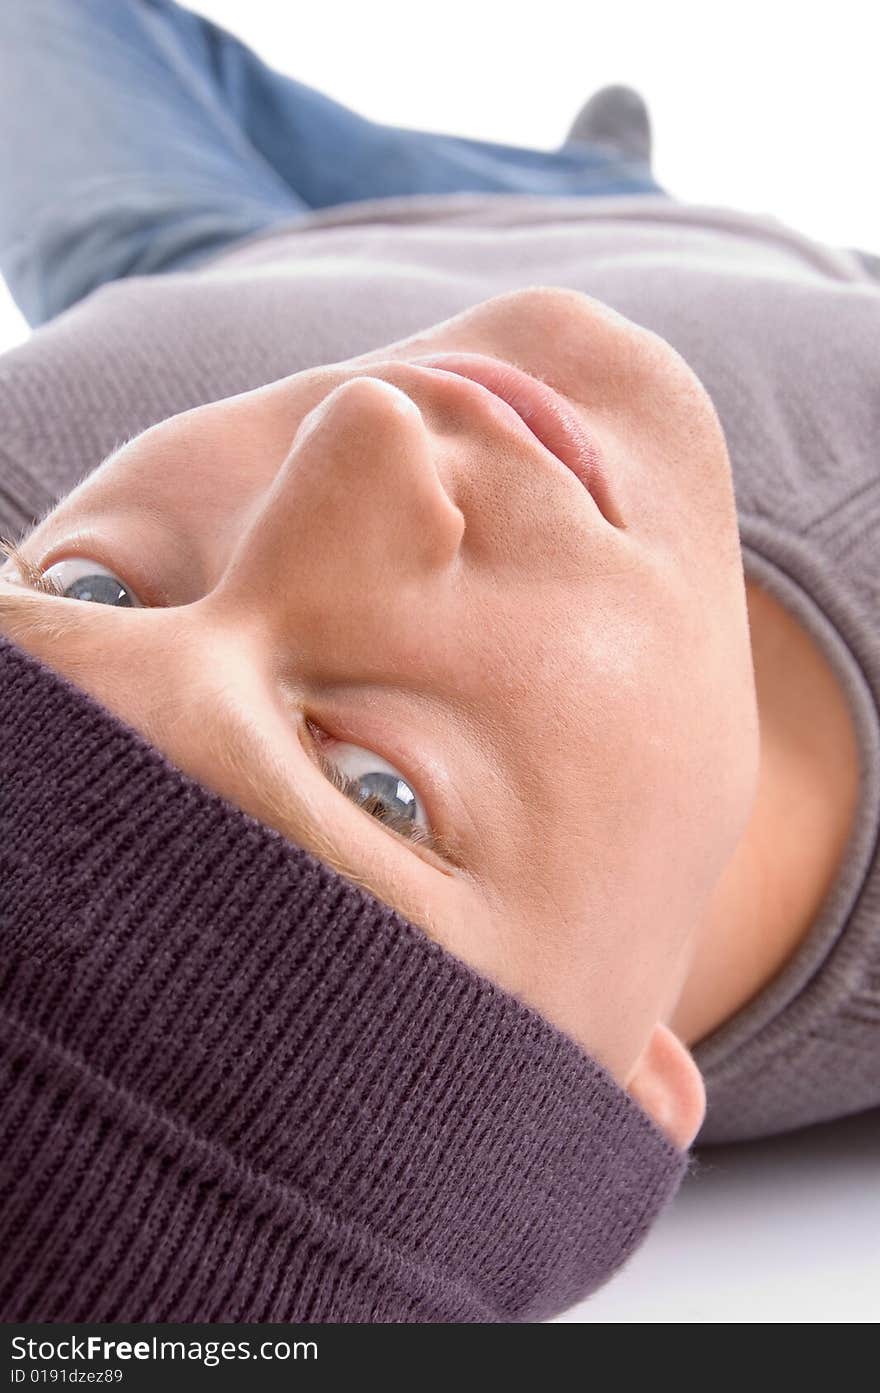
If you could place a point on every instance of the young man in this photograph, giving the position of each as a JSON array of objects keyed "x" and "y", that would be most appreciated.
[{"x": 620, "y": 728}]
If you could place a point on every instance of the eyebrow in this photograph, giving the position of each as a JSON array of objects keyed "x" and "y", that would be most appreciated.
[
  {"x": 238, "y": 745},
  {"x": 29, "y": 612}
]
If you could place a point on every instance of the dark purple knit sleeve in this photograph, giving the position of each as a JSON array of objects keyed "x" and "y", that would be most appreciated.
[{"x": 237, "y": 1087}]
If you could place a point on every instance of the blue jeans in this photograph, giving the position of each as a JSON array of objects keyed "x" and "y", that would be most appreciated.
[{"x": 138, "y": 138}]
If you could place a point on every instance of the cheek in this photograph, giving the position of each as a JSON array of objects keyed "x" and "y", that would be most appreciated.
[
  {"x": 675, "y": 471},
  {"x": 656, "y": 718},
  {"x": 695, "y": 748}
]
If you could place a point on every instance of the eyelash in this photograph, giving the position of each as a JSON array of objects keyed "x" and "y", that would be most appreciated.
[
  {"x": 432, "y": 841},
  {"x": 31, "y": 576}
]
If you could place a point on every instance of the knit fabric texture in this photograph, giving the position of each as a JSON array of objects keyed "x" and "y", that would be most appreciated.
[{"x": 238, "y": 1087}]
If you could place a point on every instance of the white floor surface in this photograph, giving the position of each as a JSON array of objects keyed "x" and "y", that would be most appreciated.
[{"x": 785, "y": 1230}]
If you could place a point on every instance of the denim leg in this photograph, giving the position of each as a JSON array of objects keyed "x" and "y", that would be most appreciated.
[
  {"x": 329, "y": 154},
  {"x": 117, "y": 155},
  {"x": 141, "y": 138}
]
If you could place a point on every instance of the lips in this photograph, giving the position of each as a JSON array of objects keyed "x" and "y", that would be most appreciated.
[{"x": 549, "y": 416}]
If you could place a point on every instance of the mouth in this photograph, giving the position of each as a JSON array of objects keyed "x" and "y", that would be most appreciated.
[{"x": 550, "y": 417}]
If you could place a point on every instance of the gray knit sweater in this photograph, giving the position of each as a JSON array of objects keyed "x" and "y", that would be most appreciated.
[{"x": 783, "y": 331}]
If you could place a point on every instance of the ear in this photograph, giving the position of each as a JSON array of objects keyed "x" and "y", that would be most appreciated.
[{"x": 668, "y": 1085}]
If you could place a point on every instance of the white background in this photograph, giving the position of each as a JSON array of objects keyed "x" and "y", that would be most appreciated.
[
  {"x": 785, "y": 1230},
  {"x": 766, "y": 107}
]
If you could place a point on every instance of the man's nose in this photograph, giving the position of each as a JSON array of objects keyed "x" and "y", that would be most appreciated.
[
  {"x": 365, "y": 458},
  {"x": 353, "y": 547}
]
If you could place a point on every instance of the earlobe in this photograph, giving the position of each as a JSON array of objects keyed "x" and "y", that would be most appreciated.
[{"x": 667, "y": 1083}]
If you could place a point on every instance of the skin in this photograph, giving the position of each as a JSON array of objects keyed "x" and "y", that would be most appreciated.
[
  {"x": 573, "y": 699},
  {"x": 772, "y": 889}
]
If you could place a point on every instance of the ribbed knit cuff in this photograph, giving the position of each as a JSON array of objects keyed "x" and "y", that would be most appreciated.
[{"x": 239, "y": 1087}]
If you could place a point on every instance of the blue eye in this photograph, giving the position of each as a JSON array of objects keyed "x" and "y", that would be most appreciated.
[
  {"x": 377, "y": 787},
  {"x": 86, "y": 583}
]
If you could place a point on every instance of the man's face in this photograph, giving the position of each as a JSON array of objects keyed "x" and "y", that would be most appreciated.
[{"x": 426, "y": 599}]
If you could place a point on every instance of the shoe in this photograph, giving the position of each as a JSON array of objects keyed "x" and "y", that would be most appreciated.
[{"x": 615, "y": 115}]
